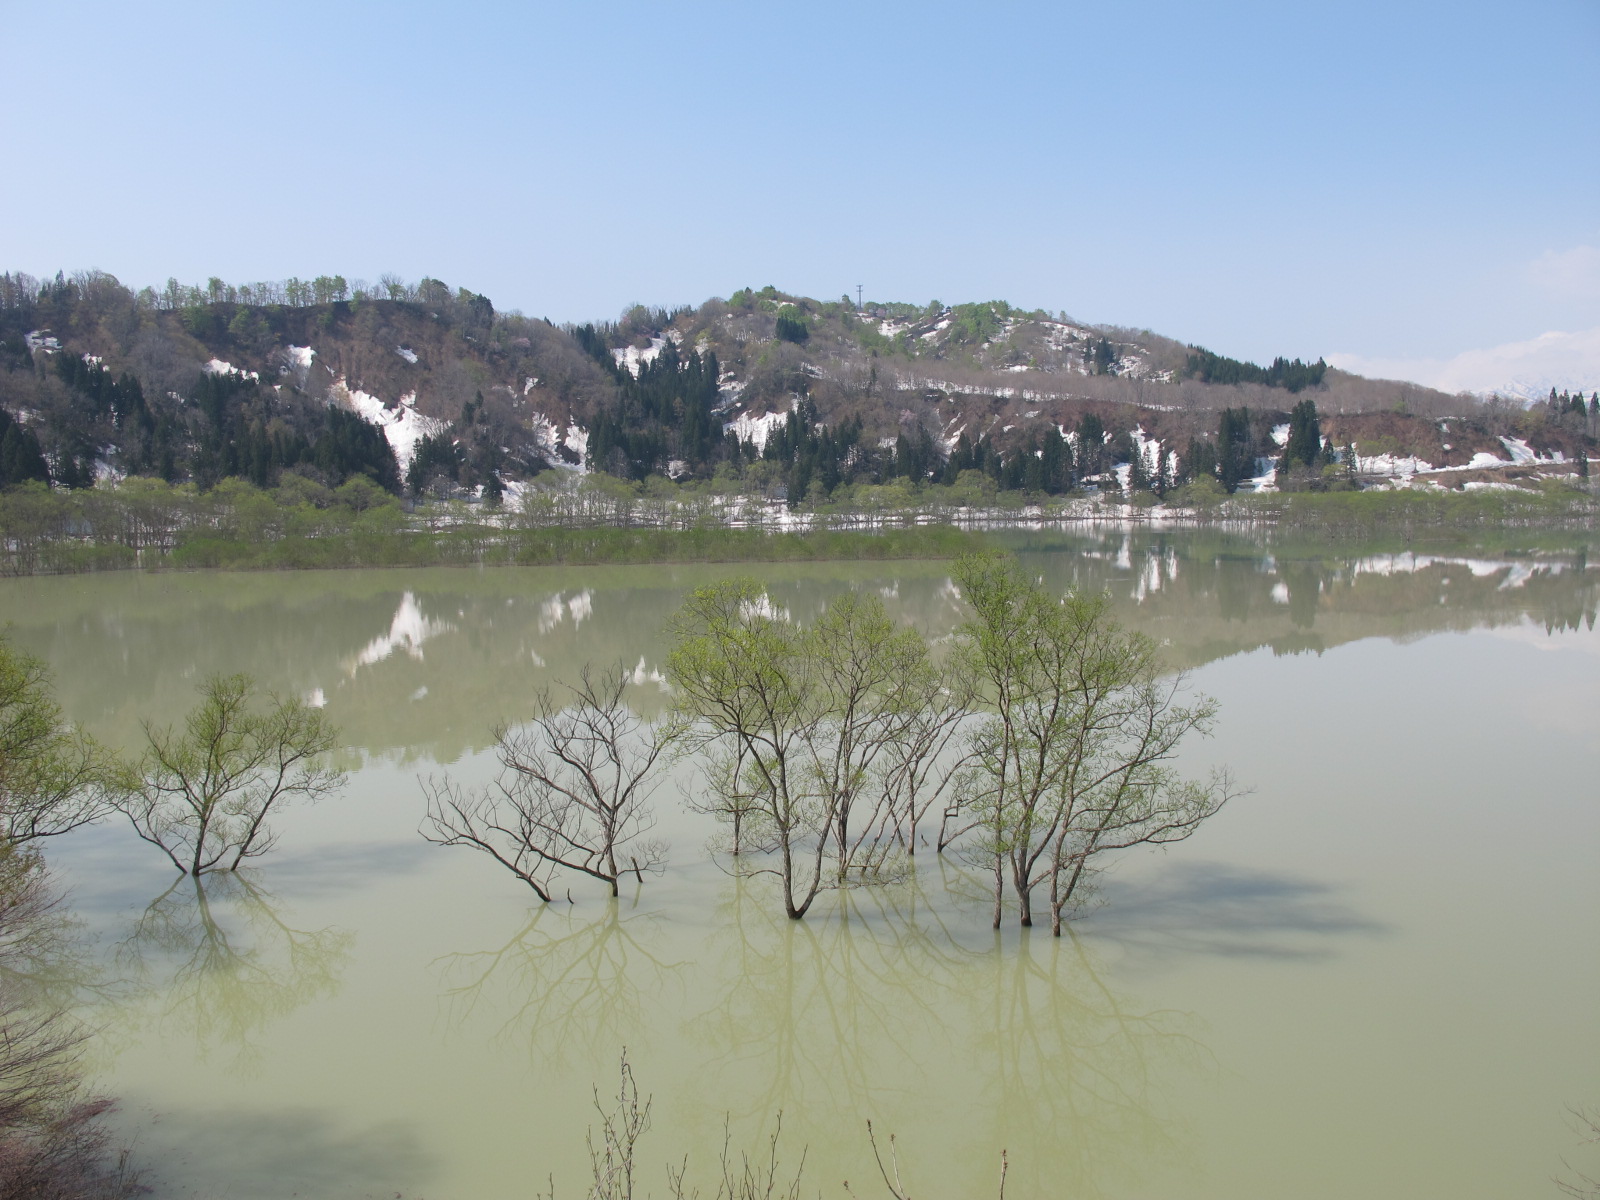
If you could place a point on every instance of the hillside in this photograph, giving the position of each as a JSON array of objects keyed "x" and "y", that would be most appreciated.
[{"x": 433, "y": 389}]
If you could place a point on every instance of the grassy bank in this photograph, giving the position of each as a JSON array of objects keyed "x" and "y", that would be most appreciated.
[{"x": 1434, "y": 513}]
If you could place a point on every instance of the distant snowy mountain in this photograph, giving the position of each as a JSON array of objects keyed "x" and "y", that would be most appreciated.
[{"x": 1568, "y": 362}]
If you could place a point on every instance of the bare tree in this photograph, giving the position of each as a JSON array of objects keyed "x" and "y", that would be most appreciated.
[
  {"x": 919, "y": 772},
  {"x": 613, "y": 1166},
  {"x": 204, "y": 795},
  {"x": 891, "y": 1170},
  {"x": 573, "y": 791},
  {"x": 1585, "y": 1187},
  {"x": 52, "y": 1144},
  {"x": 620, "y": 1130}
]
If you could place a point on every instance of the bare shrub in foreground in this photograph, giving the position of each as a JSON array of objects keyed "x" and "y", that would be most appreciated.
[{"x": 53, "y": 1145}]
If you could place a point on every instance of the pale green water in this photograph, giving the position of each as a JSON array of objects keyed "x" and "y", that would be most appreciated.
[{"x": 1375, "y": 976}]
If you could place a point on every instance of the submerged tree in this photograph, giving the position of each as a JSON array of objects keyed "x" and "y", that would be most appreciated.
[
  {"x": 53, "y": 777},
  {"x": 1074, "y": 755},
  {"x": 204, "y": 794},
  {"x": 573, "y": 793},
  {"x": 802, "y": 724}
]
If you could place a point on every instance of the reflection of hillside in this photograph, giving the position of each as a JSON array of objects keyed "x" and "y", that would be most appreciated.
[
  {"x": 1210, "y": 596},
  {"x": 566, "y": 984},
  {"x": 422, "y": 664},
  {"x": 416, "y": 663},
  {"x": 224, "y": 962},
  {"x": 861, "y": 1011}
]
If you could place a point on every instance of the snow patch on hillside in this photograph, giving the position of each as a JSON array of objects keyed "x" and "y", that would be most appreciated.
[
  {"x": 551, "y": 440},
  {"x": 1404, "y": 465},
  {"x": 218, "y": 366},
  {"x": 1519, "y": 450},
  {"x": 577, "y": 440},
  {"x": 634, "y": 358},
  {"x": 754, "y": 429},
  {"x": 403, "y": 426},
  {"x": 1149, "y": 451}
]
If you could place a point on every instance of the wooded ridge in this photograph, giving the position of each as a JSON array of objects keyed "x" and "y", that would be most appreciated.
[{"x": 428, "y": 389}]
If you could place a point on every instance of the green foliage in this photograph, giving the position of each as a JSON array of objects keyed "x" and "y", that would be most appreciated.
[
  {"x": 976, "y": 324},
  {"x": 1293, "y": 376},
  {"x": 1072, "y": 756},
  {"x": 666, "y": 412},
  {"x": 797, "y": 720},
  {"x": 21, "y": 459},
  {"x": 792, "y": 326},
  {"x": 814, "y": 453},
  {"x": 1236, "y": 449},
  {"x": 53, "y": 777},
  {"x": 1202, "y": 492},
  {"x": 204, "y": 795},
  {"x": 1408, "y": 511},
  {"x": 437, "y": 455},
  {"x": 1302, "y": 449}
]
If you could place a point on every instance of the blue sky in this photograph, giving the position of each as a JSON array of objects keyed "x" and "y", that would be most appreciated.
[{"x": 1399, "y": 183}]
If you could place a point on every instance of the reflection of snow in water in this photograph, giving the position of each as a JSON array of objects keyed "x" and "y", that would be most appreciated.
[
  {"x": 1517, "y": 572},
  {"x": 764, "y": 607},
  {"x": 407, "y": 631},
  {"x": 1160, "y": 567},
  {"x": 643, "y": 674},
  {"x": 558, "y": 609},
  {"x": 1125, "y": 556}
]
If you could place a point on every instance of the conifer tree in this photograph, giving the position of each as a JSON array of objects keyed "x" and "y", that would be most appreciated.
[{"x": 1235, "y": 448}]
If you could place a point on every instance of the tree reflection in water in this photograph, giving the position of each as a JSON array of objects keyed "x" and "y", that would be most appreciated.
[
  {"x": 570, "y": 985},
  {"x": 47, "y": 959},
  {"x": 881, "y": 1010},
  {"x": 224, "y": 962}
]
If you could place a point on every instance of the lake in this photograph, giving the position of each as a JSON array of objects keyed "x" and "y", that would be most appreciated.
[{"x": 1373, "y": 975}]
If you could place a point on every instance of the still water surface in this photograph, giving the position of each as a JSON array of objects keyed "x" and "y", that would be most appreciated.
[{"x": 1376, "y": 975}]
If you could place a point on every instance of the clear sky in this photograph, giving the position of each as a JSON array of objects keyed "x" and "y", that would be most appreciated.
[{"x": 1401, "y": 183}]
